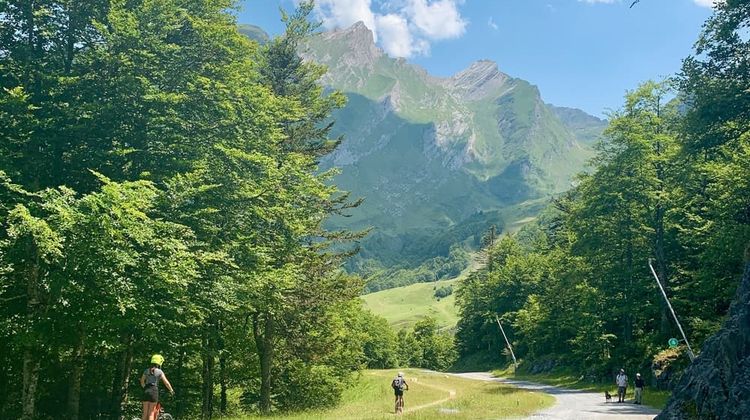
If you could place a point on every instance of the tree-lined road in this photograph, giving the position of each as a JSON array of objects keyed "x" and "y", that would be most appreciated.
[{"x": 574, "y": 404}]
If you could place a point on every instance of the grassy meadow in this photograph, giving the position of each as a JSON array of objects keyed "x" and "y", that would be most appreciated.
[
  {"x": 431, "y": 395},
  {"x": 402, "y": 307}
]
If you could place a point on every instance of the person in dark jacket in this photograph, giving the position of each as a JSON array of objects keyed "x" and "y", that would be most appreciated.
[{"x": 639, "y": 384}]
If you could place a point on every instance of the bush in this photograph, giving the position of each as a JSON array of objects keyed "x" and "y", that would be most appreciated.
[
  {"x": 443, "y": 292},
  {"x": 424, "y": 347},
  {"x": 304, "y": 386},
  {"x": 378, "y": 341}
]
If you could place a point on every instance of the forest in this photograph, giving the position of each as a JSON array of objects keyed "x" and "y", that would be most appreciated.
[
  {"x": 670, "y": 184},
  {"x": 159, "y": 193}
]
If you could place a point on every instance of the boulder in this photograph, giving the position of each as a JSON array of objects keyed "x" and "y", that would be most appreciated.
[{"x": 717, "y": 384}]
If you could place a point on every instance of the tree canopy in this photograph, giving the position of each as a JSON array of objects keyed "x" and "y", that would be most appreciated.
[
  {"x": 670, "y": 186},
  {"x": 160, "y": 194}
]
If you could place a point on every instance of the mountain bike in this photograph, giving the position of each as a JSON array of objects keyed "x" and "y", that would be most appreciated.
[{"x": 163, "y": 415}]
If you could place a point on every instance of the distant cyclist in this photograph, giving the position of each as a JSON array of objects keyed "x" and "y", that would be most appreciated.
[
  {"x": 150, "y": 384},
  {"x": 399, "y": 385}
]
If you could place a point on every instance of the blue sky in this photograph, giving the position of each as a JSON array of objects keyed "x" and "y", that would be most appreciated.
[{"x": 581, "y": 53}]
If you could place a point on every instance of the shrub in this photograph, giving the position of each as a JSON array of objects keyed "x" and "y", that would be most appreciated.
[
  {"x": 305, "y": 386},
  {"x": 443, "y": 292}
]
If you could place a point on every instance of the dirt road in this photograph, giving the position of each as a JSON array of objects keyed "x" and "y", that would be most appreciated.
[{"x": 574, "y": 404}]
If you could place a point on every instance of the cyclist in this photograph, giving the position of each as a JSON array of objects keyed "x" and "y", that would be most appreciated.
[
  {"x": 399, "y": 384},
  {"x": 150, "y": 384}
]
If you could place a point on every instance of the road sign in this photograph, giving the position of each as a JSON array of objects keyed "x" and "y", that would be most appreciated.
[{"x": 673, "y": 343}]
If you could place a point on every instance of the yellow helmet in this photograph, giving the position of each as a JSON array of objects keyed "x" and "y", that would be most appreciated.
[{"x": 157, "y": 359}]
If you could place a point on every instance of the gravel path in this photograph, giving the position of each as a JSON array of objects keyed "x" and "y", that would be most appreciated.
[{"x": 574, "y": 404}]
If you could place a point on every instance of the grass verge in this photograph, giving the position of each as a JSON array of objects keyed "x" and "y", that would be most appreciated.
[
  {"x": 431, "y": 395},
  {"x": 651, "y": 397}
]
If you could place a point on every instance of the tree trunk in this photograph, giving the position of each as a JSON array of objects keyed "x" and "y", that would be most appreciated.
[
  {"x": 122, "y": 379},
  {"x": 30, "y": 381},
  {"x": 665, "y": 326},
  {"x": 264, "y": 344},
  {"x": 207, "y": 374},
  {"x": 223, "y": 381},
  {"x": 222, "y": 367},
  {"x": 70, "y": 39},
  {"x": 74, "y": 389},
  {"x": 179, "y": 404},
  {"x": 627, "y": 333},
  {"x": 659, "y": 211},
  {"x": 30, "y": 355},
  {"x": 30, "y": 6}
]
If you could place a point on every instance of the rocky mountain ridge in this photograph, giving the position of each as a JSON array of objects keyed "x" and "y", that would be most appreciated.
[
  {"x": 453, "y": 106},
  {"x": 477, "y": 81},
  {"x": 432, "y": 155}
]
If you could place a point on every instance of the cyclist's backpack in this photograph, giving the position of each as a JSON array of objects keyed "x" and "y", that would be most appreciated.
[
  {"x": 151, "y": 377},
  {"x": 398, "y": 384}
]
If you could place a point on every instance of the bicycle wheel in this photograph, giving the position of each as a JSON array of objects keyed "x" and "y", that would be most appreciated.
[{"x": 165, "y": 416}]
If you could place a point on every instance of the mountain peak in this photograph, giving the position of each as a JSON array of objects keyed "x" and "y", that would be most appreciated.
[
  {"x": 478, "y": 80},
  {"x": 359, "y": 49},
  {"x": 481, "y": 65},
  {"x": 359, "y": 26},
  {"x": 358, "y": 33}
]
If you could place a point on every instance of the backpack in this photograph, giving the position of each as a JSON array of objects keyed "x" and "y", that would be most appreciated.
[
  {"x": 398, "y": 384},
  {"x": 151, "y": 378}
]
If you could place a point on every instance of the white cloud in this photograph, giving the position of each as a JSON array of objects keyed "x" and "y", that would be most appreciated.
[
  {"x": 397, "y": 39},
  {"x": 702, "y": 3},
  {"x": 402, "y": 27},
  {"x": 707, "y": 3},
  {"x": 491, "y": 23},
  {"x": 344, "y": 13},
  {"x": 439, "y": 19}
]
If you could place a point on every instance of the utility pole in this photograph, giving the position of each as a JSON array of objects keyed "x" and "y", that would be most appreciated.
[
  {"x": 669, "y": 305},
  {"x": 515, "y": 363}
]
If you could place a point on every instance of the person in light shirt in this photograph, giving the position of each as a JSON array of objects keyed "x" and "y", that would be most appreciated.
[{"x": 622, "y": 385}]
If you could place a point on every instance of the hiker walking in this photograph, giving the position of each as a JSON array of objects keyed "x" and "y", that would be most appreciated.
[
  {"x": 639, "y": 384},
  {"x": 622, "y": 385},
  {"x": 399, "y": 384}
]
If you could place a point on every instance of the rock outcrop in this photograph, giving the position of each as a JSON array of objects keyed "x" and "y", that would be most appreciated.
[
  {"x": 481, "y": 79},
  {"x": 359, "y": 41},
  {"x": 717, "y": 384}
]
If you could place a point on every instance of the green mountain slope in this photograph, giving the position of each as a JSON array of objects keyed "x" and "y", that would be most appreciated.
[
  {"x": 440, "y": 160},
  {"x": 587, "y": 128},
  {"x": 404, "y": 306},
  {"x": 433, "y": 155}
]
